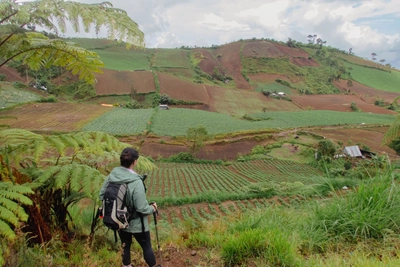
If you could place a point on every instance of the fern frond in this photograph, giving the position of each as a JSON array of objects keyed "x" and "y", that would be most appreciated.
[
  {"x": 11, "y": 196},
  {"x": 8, "y": 216},
  {"x": 145, "y": 165},
  {"x": 56, "y": 142},
  {"x": 6, "y": 231},
  {"x": 15, "y": 192},
  {"x": 45, "y": 177}
]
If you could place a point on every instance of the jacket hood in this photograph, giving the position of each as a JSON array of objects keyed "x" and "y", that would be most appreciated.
[{"x": 122, "y": 175}]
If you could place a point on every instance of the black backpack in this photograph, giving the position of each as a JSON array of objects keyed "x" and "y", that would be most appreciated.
[
  {"x": 116, "y": 215},
  {"x": 114, "y": 211}
]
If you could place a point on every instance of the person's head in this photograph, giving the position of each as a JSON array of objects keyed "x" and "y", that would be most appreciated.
[{"x": 128, "y": 156}]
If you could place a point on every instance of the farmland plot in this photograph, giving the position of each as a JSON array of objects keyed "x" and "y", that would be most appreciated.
[
  {"x": 11, "y": 96},
  {"x": 166, "y": 122},
  {"x": 382, "y": 80},
  {"x": 172, "y": 58},
  {"x": 57, "y": 117},
  {"x": 185, "y": 180},
  {"x": 121, "y": 121}
]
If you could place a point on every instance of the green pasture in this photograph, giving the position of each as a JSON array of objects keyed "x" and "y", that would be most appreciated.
[
  {"x": 382, "y": 80},
  {"x": 172, "y": 58},
  {"x": 176, "y": 121},
  {"x": 11, "y": 96},
  {"x": 121, "y": 121}
]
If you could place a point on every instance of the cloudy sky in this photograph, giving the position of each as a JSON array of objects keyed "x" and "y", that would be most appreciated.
[{"x": 369, "y": 26}]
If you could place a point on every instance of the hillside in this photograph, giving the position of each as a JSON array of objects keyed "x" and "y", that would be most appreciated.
[{"x": 228, "y": 79}]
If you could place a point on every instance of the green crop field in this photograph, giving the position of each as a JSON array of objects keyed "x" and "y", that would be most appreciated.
[
  {"x": 382, "y": 80},
  {"x": 273, "y": 87},
  {"x": 183, "y": 180},
  {"x": 124, "y": 59},
  {"x": 166, "y": 122},
  {"x": 121, "y": 121},
  {"x": 172, "y": 58},
  {"x": 11, "y": 96}
]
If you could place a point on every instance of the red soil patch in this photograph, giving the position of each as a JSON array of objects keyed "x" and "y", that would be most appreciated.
[
  {"x": 366, "y": 93},
  {"x": 122, "y": 82},
  {"x": 11, "y": 74},
  {"x": 229, "y": 57},
  {"x": 208, "y": 63},
  {"x": 337, "y": 103},
  {"x": 180, "y": 89},
  {"x": 57, "y": 117},
  {"x": 291, "y": 51},
  {"x": 227, "y": 151},
  {"x": 261, "y": 49}
]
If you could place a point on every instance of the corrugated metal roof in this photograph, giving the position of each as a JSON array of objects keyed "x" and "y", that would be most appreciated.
[{"x": 352, "y": 151}]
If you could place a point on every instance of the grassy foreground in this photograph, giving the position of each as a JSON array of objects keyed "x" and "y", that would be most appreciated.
[{"x": 355, "y": 227}]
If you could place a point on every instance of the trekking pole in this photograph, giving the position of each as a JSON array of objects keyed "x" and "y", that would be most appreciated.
[{"x": 155, "y": 213}]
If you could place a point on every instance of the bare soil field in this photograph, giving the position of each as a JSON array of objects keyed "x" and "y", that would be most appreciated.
[
  {"x": 261, "y": 49},
  {"x": 52, "y": 117},
  {"x": 366, "y": 93},
  {"x": 180, "y": 89},
  {"x": 337, "y": 103},
  {"x": 208, "y": 63},
  {"x": 228, "y": 151},
  {"x": 11, "y": 74},
  {"x": 122, "y": 82},
  {"x": 229, "y": 57}
]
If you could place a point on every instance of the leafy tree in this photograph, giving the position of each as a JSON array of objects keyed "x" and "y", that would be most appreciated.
[
  {"x": 326, "y": 148},
  {"x": 19, "y": 41},
  {"x": 164, "y": 99},
  {"x": 196, "y": 135}
]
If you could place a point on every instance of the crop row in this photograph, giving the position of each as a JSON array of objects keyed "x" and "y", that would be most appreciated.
[
  {"x": 203, "y": 213},
  {"x": 178, "y": 180},
  {"x": 121, "y": 121}
]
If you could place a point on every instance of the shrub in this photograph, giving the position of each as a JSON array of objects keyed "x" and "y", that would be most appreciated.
[
  {"x": 50, "y": 99},
  {"x": 2, "y": 77}
]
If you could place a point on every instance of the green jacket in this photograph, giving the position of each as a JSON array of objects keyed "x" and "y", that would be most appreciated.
[{"x": 136, "y": 195}]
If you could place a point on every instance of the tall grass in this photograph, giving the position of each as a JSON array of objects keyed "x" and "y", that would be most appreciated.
[{"x": 372, "y": 211}]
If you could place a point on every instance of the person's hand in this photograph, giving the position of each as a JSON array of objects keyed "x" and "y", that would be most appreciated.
[{"x": 154, "y": 205}]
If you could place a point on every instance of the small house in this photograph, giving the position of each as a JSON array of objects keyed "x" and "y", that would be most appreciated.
[
  {"x": 353, "y": 152},
  {"x": 163, "y": 107}
]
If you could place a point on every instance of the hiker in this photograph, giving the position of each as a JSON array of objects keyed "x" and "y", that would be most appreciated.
[{"x": 136, "y": 195}]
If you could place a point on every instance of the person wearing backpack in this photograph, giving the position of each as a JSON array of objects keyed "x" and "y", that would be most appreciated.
[{"x": 136, "y": 199}]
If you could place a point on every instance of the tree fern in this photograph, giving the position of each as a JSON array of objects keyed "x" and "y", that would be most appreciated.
[{"x": 36, "y": 50}]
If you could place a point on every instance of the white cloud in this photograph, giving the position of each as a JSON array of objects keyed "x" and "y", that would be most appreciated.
[
  {"x": 342, "y": 23},
  {"x": 217, "y": 23}
]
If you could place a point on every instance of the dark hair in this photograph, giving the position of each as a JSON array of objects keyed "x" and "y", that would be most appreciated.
[{"x": 128, "y": 156}]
